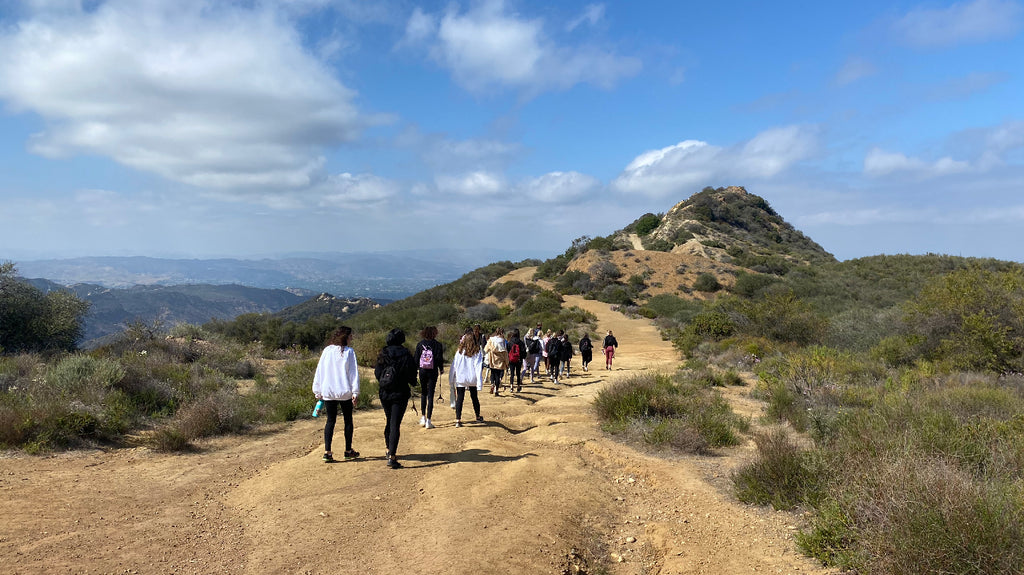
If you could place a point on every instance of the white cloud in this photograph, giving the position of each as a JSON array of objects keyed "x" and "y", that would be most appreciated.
[
  {"x": 692, "y": 163},
  {"x": 591, "y": 15},
  {"x": 204, "y": 93},
  {"x": 560, "y": 187},
  {"x": 348, "y": 190},
  {"x": 487, "y": 46},
  {"x": 878, "y": 163},
  {"x": 479, "y": 183},
  {"x": 961, "y": 23},
  {"x": 854, "y": 69}
]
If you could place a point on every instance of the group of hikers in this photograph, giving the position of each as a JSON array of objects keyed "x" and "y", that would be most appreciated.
[{"x": 477, "y": 358}]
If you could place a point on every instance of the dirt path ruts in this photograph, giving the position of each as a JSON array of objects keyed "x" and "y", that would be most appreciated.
[{"x": 512, "y": 495}]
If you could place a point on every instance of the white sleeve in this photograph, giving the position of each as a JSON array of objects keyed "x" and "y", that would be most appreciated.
[{"x": 352, "y": 370}]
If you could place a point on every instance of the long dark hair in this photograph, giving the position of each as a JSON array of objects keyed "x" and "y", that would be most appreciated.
[{"x": 340, "y": 336}]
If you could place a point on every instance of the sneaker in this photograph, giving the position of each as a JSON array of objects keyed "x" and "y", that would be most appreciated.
[
  {"x": 394, "y": 464},
  {"x": 351, "y": 453},
  {"x": 458, "y": 424},
  {"x": 423, "y": 421},
  {"x": 520, "y": 389},
  {"x": 328, "y": 457},
  {"x": 429, "y": 425},
  {"x": 480, "y": 418}
]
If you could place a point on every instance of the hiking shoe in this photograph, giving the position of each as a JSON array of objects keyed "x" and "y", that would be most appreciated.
[
  {"x": 349, "y": 453},
  {"x": 328, "y": 457}
]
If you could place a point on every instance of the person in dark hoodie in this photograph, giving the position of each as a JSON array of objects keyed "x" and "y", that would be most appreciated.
[
  {"x": 396, "y": 373},
  {"x": 430, "y": 359}
]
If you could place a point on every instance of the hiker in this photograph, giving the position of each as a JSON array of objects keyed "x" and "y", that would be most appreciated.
[
  {"x": 544, "y": 350},
  {"x": 565, "y": 354},
  {"x": 429, "y": 357},
  {"x": 396, "y": 372},
  {"x": 586, "y": 350},
  {"x": 464, "y": 373},
  {"x": 336, "y": 383},
  {"x": 535, "y": 353},
  {"x": 554, "y": 349},
  {"x": 516, "y": 355},
  {"x": 481, "y": 340},
  {"x": 609, "y": 349},
  {"x": 496, "y": 357}
]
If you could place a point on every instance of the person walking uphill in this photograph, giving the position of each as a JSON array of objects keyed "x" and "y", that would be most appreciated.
[
  {"x": 429, "y": 357},
  {"x": 465, "y": 373},
  {"x": 396, "y": 372},
  {"x": 609, "y": 349},
  {"x": 586, "y": 350},
  {"x": 496, "y": 357},
  {"x": 516, "y": 355},
  {"x": 336, "y": 383}
]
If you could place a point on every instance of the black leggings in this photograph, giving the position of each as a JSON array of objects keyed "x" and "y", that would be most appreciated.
[
  {"x": 394, "y": 410},
  {"x": 496, "y": 378},
  {"x": 515, "y": 373},
  {"x": 460, "y": 397},
  {"x": 428, "y": 384},
  {"x": 332, "y": 417}
]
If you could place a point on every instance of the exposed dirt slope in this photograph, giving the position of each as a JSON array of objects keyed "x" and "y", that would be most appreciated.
[{"x": 513, "y": 495}]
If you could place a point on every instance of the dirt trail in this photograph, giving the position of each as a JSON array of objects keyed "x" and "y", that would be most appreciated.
[{"x": 512, "y": 495}]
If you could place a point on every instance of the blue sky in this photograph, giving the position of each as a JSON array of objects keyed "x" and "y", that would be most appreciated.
[{"x": 192, "y": 128}]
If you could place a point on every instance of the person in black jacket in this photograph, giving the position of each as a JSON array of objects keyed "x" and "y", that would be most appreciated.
[
  {"x": 429, "y": 357},
  {"x": 396, "y": 372},
  {"x": 554, "y": 349},
  {"x": 565, "y": 354},
  {"x": 586, "y": 350},
  {"x": 515, "y": 361}
]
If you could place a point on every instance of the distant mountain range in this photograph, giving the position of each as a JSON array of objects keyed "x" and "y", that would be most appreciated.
[
  {"x": 111, "y": 309},
  {"x": 376, "y": 275}
]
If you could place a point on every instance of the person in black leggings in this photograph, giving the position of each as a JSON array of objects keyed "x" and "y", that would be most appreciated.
[
  {"x": 429, "y": 357},
  {"x": 336, "y": 382}
]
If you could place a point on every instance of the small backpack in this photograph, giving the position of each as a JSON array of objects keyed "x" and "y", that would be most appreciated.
[
  {"x": 535, "y": 346},
  {"x": 427, "y": 358},
  {"x": 388, "y": 377},
  {"x": 514, "y": 353},
  {"x": 585, "y": 345}
]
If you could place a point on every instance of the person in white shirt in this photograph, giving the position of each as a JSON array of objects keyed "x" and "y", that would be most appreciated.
[
  {"x": 336, "y": 383},
  {"x": 465, "y": 373}
]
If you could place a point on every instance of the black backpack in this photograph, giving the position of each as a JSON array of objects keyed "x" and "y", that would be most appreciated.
[
  {"x": 534, "y": 346},
  {"x": 585, "y": 345},
  {"x": 389, "y": 375}
]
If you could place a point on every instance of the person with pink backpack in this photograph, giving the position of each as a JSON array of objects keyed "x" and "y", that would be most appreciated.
[{"x": 430, "y": 359}]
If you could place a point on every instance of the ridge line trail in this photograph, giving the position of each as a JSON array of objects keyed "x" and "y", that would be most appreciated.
[{"x": 512, "y": 495}]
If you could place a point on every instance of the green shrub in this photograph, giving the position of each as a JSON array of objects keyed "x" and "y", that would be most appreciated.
[
  {"x": 646, "y": 224},
  {"x": 663, "y": 412},
  {"x": 781, "y": 475},
  {"x": 706, "y": 282}
]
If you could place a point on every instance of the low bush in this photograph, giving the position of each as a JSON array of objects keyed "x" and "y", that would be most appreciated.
[
  {"x": 671, "y": 412},
  {"x": 782, "y": 475}
]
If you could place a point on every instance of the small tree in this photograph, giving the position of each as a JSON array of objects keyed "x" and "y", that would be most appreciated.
[{"x": 33, "y": 321}]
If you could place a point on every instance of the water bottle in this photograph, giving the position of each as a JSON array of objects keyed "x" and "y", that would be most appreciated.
[{"x": 318, "y": 409}]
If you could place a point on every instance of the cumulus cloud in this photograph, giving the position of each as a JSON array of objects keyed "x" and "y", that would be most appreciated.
[
  {"x": 479, "y": 183},
  {"x": 487, "y": 46},
  {"x": 878, "y": 162},
  {"x": 348, "y": 190},
  {"x": 970, "y": 22},
  {"x": 692, "y": 163},
  {"x": 560, "y": 187},
  {"x": 209, "y": 94}
]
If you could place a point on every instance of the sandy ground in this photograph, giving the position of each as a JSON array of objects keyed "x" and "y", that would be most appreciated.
[{"x": 536, "y": 488}]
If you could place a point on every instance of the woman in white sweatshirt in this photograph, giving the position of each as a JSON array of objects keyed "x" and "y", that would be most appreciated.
[
  {"x": 336, "y": 382},
  {"x": 465, "y": 373}
]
